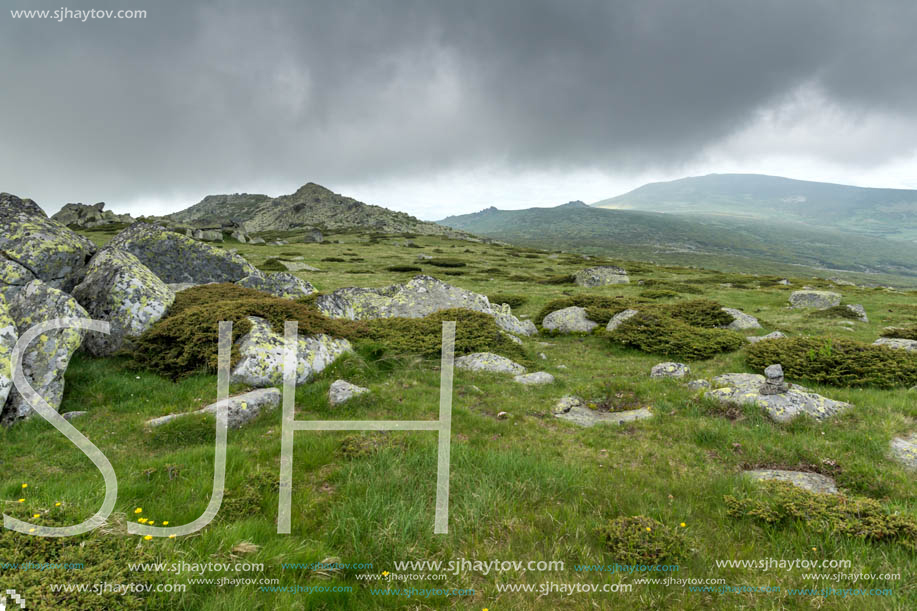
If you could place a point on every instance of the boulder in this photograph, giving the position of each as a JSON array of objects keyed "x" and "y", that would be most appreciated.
[
  {"x": 342, "y": 391},
  {"x": 670, "y": 370},
  {"x": 297, "y": 266},
  {"x": 536, "y": 378},
  {"x": 311, "y": 235},
  {"x": 601, "y": 276},
  {"x": 813, "y": 482},
  {"x": 256, "y": 241},
  {"x": 8, "y": 338},
  {"x": 176, "y": 258},
  {"x": 45, "y": 360},
  {"x": 488, "y": 361},
  {"x": 13, "y": 277},
  {"x": 239, "y": 236},
  {"x": 85, "y": 215},
  {"x": 819, "y": 300},
  {"x": 262, "y": 350},
  {"x": 50, "y": 251},
  {"x": 745, "y": 388},
  {"x": 859, "y": 310},
  {"x": 419, "y": 297},
  {"x": 619, "y": 318},
  {"x": 569, "y": 320},
  {"x": 897, "y": 343},
  {"x": 741, "y": 321},
  {"x": 279, "y": 284},
  {"x": 121, "y": 290},
  {"x": 754, "y": 339},
  {"x": 573, "y": 409},
  {"x": 240, "y": 409},
  {"x": 904, "y": 450},
  {"x": 208, "y": 235}
]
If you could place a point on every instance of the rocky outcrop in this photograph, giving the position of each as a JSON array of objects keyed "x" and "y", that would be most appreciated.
[
  {"x": 897, "y": 343},
  {"x": 741, "y": 321},
  {"x": 342, "y": 391},
  {"x": 601, "y": 276},
  {"x": 670, "y": 370},
  {"x": 84, "y": 215},
  {"x": 45, "y": 360},
  {"x": 262, "y": 350},
  {"x": 177, "y": 258},
  {"x": 419, "y": 297},
  {"x": 8, "y": 338},
  {"x": 819, "y": 300},
  {"x": 121, "y": 290},
  {"x": 490, "y": 362},
  {"x": 279, "y": 284},
  {"x": 813, "y": 482},
  {"x": 240, "y": 409},
  {"x": 745, "y": 388},
  {"x": 569, "y": 320},
  {"x": 48, "y": 250}
]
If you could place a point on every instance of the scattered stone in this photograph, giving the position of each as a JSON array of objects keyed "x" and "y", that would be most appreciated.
[
  {"x": 511, "y": 337},
  {"x": 542, "y": 356},
  {"x": 904, "y": 450},
  {"x": 774, "y": 383},
  {"x": 601, "y": 276},
  {"x": 503, "y": 316},
  {"x": 536, "y": 378},
  {"x": 256, "y": 241},
  {"x": 619, "y": 318},
  {"x": 502, "y": 415},
  {"x": 841, "y": 282},
  {"x": 784, "y": 282},
  {"x": 279, "y": 284},
  {"x": 897, "y": 343},
  {"x": 566, "y": 403},
  {"x": 45, "y": 360},
  {"x": 239, "y": 236},
  {"x": 569, "y": 320},
  {"x": 240, "y": 409},
  {"x": 49, "y": 251},
  {"x": 423, "y": 257},
  {"x": 741, "y": 321},
  {"x": 744, "y": 388},
  {"x": 297, "y": 266},
  {"x": 573, "y": 409},
  {"x": 121, "y": 290},
  {"x": 262, "y": 352},
  {"x": 859, "y": 310},
  {"x": 177, "y": 258},
  {"x": 342, "y": 391},
  {"x": 488, "y": 361},
  {"x": 754, "y": 339},
  {"x": 813, "y": 482},
  {"x": 670, "y": 370},
  {"x": 69, "y": 416},
  {"x": 698, "y": 384},
  {"x": 814, "y": 299}
]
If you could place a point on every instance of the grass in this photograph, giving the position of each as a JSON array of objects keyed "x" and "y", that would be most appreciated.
[{"x": 527, "y": 487}]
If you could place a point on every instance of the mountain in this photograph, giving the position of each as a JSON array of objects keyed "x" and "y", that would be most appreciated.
[
  {"x": 888, "y": 213},
  {"x": 719, "y": 242},
  {"x": 311, "y": 205}
]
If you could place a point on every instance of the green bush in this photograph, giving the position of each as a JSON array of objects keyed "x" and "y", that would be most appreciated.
[
  {"x": 562, "y": 279},
  {"x": 334, "y": 260},
  {"x": 838, "y": 311},
  {"x": 272, "y": 265},
  {"x": 678, "y": 287},
  {"x": 446, "y": 262},
  {"x": 909, "y": 332},
  {"x": 655, "y": 333},
  {"x": 643, "y": 540},
  {"x": 514, "y": 301},
  {"x": 698, "y": 313},
  {"x": 838, "y": 362},
  {"x": 403, "y": 268},
  {"x": 781, "y": 503},
  {"x": 658, "y": 294}
]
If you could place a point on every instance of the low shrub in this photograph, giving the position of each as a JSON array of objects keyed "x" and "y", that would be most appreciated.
[
  {"x": 514, "y": 301},
  {"x": 781, "y": 503},
  {"x": 678, "y": 287},
  {"x": 334, "y": 260},
  {"x": 838, "y": 362},
  {"x": 838, "y": 311},
  {"x": 698, "y": 313},
  {"x": 654, "y": 333},
  {"x": 643, "y": 540},
  {"x": 598, "y": 307},
  {"x": 658, "y": 294},
  {"x": 272, "y": 265},
  {"x": 562, "y": 279},
  {"x": 909, "y": 332},
  {"x": 446, "y": 262},
  {"x": 403, "y": 268}
]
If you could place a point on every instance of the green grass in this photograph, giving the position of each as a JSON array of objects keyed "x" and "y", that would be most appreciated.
[{"x": 528, "y": 487}]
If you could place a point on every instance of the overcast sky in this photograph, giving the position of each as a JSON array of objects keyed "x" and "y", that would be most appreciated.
[{"x": 439, "y": 108}]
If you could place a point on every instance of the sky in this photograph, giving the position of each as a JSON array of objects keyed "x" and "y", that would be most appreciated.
[{"x": 447, "y": 107}]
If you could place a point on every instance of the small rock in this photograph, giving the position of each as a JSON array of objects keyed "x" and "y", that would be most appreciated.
[
  {"x": 619, "y": 318},
  {"x": 670, "y": 370},
  {"x": 813, "y": 482},
  {"x": 859, "y": 310},
  {"x": 773, "y": 381},
  {"x": 741, "y": 321},
  {"x": 72, "y": 415},
  {"x": 569, "y": 320},
  {"x": 535, "y": 378},
  {"x": 342, "y": 390},
  {"x": 754, "y": 339},
  {"x": 698, "y": 384},
  {"x": 488, "y": 361},
  {"x": 542, "y": 356},
  {"x": 904, "y": 450},
  {"x": 601, "y": 276},
  {"x": 502, "y": 416},
  {"x": 241, "y": 409}
]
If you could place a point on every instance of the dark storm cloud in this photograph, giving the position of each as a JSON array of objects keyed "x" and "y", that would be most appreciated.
[{"x": 206, "y": 97}]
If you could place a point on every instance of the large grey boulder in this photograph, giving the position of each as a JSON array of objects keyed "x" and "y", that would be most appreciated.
[
  {"x": 745, "y": 388},
  {"x": 8, "y": 338},
  {"x": 240, "y": 409},
  {"x": 45, "y": 360},
  {"x": 819, "y": 300},
  {"x": 121, "y": 290},
  {"x": 13, "y": 277},
  {"x": 813, "y": 482},
  {"x": 488, "y": 361},
  {"x": 262, "y": 352},
  {"x": 904, "y": 450},
  {"x": 279, "y": 284},
  {"x": 741, "y": 321},
  {"x": 85, "y": 215},
  {"x": 419, "y": 297},
  {"x": 601, "y": 276},
  {"x": 897, "y": 343},
  {"x": 342, "y": 391},
  {"x": 569, "y": 320},
  {"x": 177, "y": 258},
  {"x": 48, "y": 250},
  {"x": 619, "y": 318}
]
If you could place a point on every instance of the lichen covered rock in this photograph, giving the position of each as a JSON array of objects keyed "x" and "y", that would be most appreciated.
[
  {"x": 121, "y": 290},
  {"x": 569, "y": 320},
  {"x": 536, "y": 378},
  {"x": 177, "y": 258},
  {"x": 45, "y": 360},
  {"x": 601, "y": 276},
  {"x": 741, "y": 321},
  {"x": 897, "y": 343},
  {"x": 745, "y": 388},
  {"x": 813, "y": 482},
  {"x": 12, "y": 278},
  {"x": 669, "y": 370},
  {"x": 279, "y": 284},
  {"x": 262, "y": 350},
  {"x": 342, "y": 391},
  {"x": 904, "y": 450},
  {"x": 48, "y": 250},
  {"x": 488, "y": 361},
  {"x": 754, "y": 339},
  {"x": 8, "y": 338},
  {"x": 240, "y": 409},
  {"x": 819, "y": 300},
  {"x": 619, "y": 318}
]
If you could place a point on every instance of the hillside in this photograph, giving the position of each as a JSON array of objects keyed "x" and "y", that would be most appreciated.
[
  {"x": 720, "y": 242},
  {"x": 311, "y": 205},
  {"x": 875, "y": 212}
]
